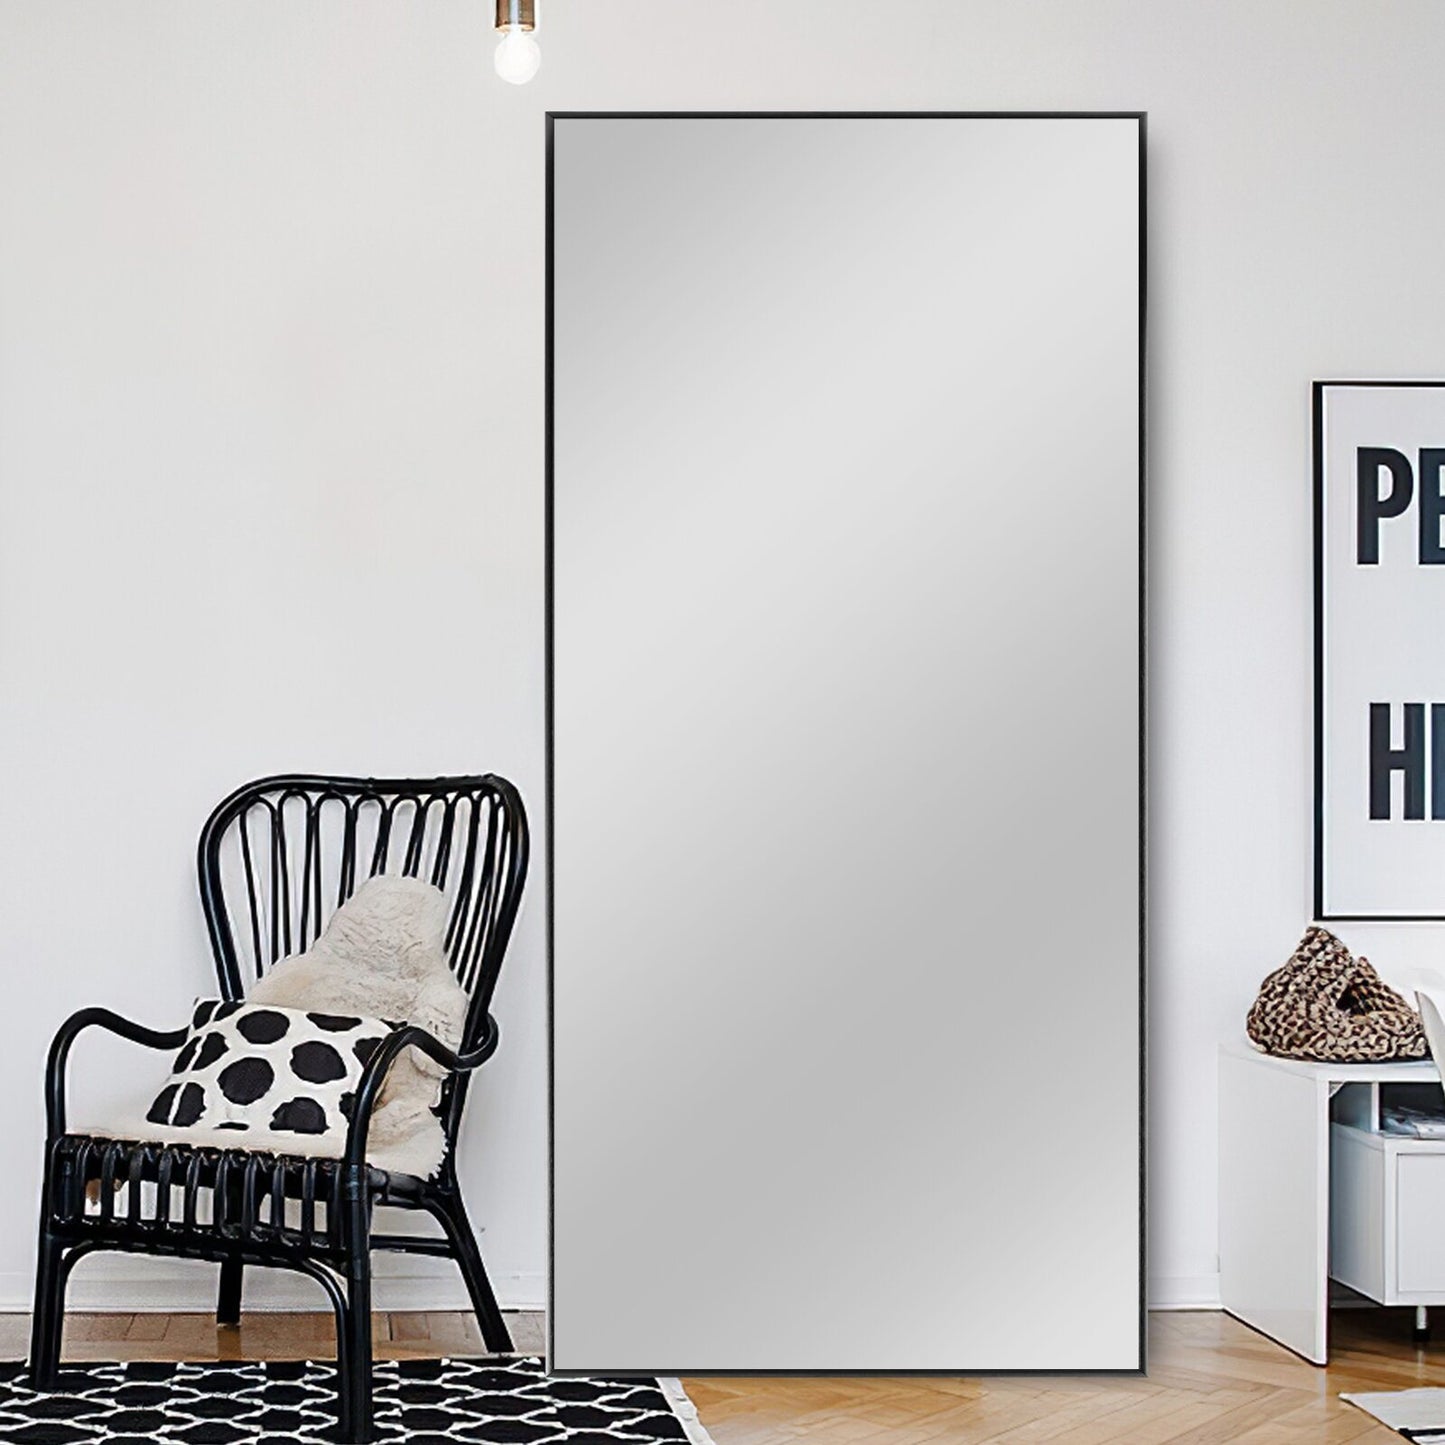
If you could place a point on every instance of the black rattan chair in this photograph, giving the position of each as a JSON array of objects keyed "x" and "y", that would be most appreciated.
[{"x": 276, "y": 858}]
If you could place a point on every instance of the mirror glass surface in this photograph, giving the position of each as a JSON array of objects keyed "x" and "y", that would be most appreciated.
[{"x": 845, "y": 706}]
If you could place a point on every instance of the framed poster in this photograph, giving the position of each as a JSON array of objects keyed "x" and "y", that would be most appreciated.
[{"x": 1379, "y": 458}]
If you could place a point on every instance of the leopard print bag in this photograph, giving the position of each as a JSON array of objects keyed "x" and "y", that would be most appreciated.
[{"x": 1324, "y": 1004}]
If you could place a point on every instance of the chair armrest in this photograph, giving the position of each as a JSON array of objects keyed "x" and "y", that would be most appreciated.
[
  {"x": 373, "y": 1076},
  {"x": 66, "y": 1035}
]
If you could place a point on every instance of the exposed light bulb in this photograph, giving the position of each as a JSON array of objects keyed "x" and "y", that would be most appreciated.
[{"x": 518, "y": 55}]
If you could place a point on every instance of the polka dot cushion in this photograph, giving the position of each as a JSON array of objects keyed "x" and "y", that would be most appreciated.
[{"x": 267, "y": 1071}]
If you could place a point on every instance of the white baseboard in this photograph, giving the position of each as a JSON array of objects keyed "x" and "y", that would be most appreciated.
[
  {"x": 121, "y": 1284},
  {"x": 1184, "y": 1292}
]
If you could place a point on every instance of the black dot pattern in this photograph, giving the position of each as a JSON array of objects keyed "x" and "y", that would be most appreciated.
[
  {"x": 160, "y": 1111},
  {"x": 422, "y": 1402},
  {"x": 317, "y": 1063},
  {"x": 189, "y": 1106},
  {"x": 333, "y": 1023},
  {"x": 263, "y": 1026},
  {"x": 213, "y": 1047},
  {"x": 246, "y": 1080},
  {"x": 300, "y": 1116},
  {"x": 267, "y": 1071}
]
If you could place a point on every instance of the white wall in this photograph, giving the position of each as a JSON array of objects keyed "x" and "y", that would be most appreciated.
[{"x": 270, "y": 409}]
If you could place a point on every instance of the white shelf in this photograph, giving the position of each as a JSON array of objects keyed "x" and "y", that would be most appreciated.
[
  {"x": 1387, "y": 1215},
  {"x": 1423, "y": 1072}
]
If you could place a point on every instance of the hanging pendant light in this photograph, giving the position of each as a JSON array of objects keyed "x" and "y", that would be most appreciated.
[{"x": 518, "y": 54}]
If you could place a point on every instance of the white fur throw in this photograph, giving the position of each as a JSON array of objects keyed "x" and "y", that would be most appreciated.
[{"x": 383, "y": 954}]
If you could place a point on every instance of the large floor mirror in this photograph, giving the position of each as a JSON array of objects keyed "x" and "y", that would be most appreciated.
[{"x": 845, "y": 714}]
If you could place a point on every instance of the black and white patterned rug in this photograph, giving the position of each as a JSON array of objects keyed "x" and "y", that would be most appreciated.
[{"x": 424, "y": 1402}]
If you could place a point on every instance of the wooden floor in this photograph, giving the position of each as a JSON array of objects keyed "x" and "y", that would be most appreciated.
[
  {"x": 1211, "y": 1382},
  {"x": 263, "y": 1336}
]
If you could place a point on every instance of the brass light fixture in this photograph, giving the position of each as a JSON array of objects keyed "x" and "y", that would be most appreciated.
[{"x": 518, "y": 55}]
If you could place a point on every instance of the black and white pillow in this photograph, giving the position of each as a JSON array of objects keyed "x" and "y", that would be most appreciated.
[{"x": 266, "y": 1070}]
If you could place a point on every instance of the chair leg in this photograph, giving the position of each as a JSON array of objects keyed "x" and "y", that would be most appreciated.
[
  {"x": 49, "y": 1316},
  {"x": 344, "y": 1422},
  {"x": 228, "y": 1296},
  {"x": 452, "y": 1213},
  {"x": 354, "y": 1359},
  {"x": 354, "y": 1343}
]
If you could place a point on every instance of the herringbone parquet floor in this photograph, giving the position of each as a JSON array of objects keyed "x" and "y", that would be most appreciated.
[{"x": 1211, "y": 1382}]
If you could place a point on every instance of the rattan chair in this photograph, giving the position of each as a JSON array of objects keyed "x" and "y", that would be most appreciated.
[{"x": 276, "y": 858}]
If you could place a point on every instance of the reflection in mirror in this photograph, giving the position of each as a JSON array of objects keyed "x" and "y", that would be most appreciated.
[{"x": 845, "y": 710}]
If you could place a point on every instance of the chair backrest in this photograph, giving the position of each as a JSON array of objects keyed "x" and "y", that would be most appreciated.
[{"x": 280, "y": 855}]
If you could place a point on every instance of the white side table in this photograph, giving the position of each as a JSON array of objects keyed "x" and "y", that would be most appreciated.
[{"x": 1274, "y": 1188}]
